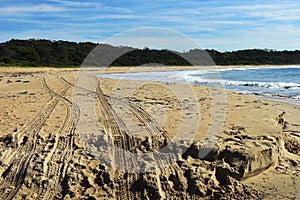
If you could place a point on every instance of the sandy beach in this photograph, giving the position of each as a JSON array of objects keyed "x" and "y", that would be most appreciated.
[{"x": 51, "y": 125}]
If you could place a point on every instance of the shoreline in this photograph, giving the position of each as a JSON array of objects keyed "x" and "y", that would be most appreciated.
[
  {"x": 121, "y": 70},
  {"x": 266, "y": 96},
  {"x": 140, "y": 69}
]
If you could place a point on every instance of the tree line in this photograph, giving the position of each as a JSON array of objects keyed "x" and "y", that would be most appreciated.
[{"x": 50, "y": 53}]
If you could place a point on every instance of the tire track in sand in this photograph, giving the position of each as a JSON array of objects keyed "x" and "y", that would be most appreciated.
[
  {"x": 153, "y": 127},
  {"x": 117, "y": 131},
  {"x": 113, "y": 126},
  {"x": 57, "y": 161},
  {"x": 14, "y": 176}
]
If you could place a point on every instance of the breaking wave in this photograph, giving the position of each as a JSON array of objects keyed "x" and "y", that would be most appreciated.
[{"x": 270, "y": 85}]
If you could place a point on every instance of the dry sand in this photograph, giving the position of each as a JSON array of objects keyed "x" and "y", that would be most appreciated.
[{"x": 48, "y": 145}]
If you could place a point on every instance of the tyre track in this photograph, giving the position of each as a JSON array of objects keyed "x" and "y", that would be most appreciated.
[
  {"x": 14, "y": 176},
  {"x": 58, "y": 160},
  {"x": 122, "y": 141},
  {"x": 117, "y": 131},
  {"x": 154, "y": 128}
]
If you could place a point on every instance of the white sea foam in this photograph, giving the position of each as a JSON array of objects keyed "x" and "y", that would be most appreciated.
[
  {"x": 271, "y": 85},
  {"x": 273, "y": 90},
  {"x": 296, "y": 97}
]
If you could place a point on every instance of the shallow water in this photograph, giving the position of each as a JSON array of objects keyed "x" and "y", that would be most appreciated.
[{"x": 275, "y": 83}]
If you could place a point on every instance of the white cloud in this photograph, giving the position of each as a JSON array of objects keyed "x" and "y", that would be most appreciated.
[
  {"x": 77, "y": 4},
  {"x": 91, "y": 5},
  {"x": 113, "y": 16},
  {"x": 284, "y": 15},
  {"x": 251, "y": 7},
  {"x": 277, "y": 11},
  {"x": 30, "y": 9}
]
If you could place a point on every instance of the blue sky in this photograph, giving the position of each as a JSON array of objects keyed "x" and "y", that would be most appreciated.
[{"x": 222, "y": 25}]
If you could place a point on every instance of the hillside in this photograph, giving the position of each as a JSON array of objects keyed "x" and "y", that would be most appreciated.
[{"x": 69, "y": 54}]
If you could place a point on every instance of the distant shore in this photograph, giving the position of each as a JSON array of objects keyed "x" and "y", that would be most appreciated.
[{"x": 118, "y": 69}]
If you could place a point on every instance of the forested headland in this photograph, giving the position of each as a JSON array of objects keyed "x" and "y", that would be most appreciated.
[{"x": 41, "y": 52}]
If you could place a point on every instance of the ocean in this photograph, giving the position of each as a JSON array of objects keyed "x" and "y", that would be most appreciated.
[{"x": 281, "y": 84}]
